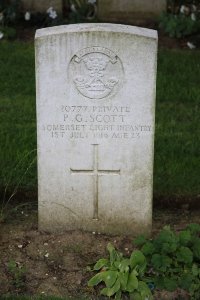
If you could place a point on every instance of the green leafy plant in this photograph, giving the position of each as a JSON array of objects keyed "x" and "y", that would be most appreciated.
[
  {"x": 9, "y": 11},
  {"x": 9, "y": 15},
  {"x": 178, "y": 25},
  {"x": 17, "y": 272},
  {"x": 174, "y": 5},
  {"x": 82, "y": 11},
  {"x": 173, "y": 259},
  {"x": 182, "y": 18},
  {"x": 122, "y": 275}
]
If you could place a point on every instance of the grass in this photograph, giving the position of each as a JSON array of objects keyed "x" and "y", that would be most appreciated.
[
  {"x": 177, "y": 139},
  {"x": 17, "y": 114}
]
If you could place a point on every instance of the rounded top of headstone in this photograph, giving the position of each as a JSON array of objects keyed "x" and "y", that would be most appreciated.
[{"x": 96, "y": 27}]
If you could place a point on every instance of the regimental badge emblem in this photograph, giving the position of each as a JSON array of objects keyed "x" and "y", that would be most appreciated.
[{"x": 96, "y": 72}]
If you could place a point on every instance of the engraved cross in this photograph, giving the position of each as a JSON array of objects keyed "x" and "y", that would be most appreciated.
[{"x": 95, "y": 172}]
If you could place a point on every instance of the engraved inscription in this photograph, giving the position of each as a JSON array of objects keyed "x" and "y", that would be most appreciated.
[
  {"x": 97, "y": 122},
  {"x": 95, "y": 172},
  {"x": 98, "y": 72}
]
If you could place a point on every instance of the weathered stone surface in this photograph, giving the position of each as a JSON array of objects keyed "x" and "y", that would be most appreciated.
[
  {"x": 41, "y": 6},
  {"x": 129, "y": 10},
  {"x": 95, "y": 118}
]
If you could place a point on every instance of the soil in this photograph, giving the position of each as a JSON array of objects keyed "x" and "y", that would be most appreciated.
[{"x": 58, "y": 264}]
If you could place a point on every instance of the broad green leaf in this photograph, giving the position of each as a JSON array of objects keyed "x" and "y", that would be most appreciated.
[
  {"x": 118, "y": 295},
  {"x": 165, "y": 236},
  {"x": 140, "y": 240},
  {"x": 137, "y": 258},
  {"x": 105, "y": 292},
  {"x": 116, "y": 286},
  {"x": 142, "y": 286},
  {"x": 156, "y": 261},
  {"x": 196, "y": 248},
  {"x": 194, "y": 228},
  {"x": 148, "y": 249},
  {"x": 124, "y": 265},
  {"x": 195, "y": 291},
  {"x": 110, "y": 291},
  {"x": 112, "y": 252},
  {"x": 161, "y": 262},
  {"x": 101, "y": 263},
  {"x": 132, "y": 283},
  {"x": 114, "y": 255},
  {"x": 170, "y": 284},
  {"x": 135, "y": 296},
  {"x": 123, "y": 280},
  {"x": 144, "y": 290},
  {"x": 96, "y": 279},
  {"x": 185, "y": 281},
  {"x": 195, "y": 270},
  {"x": 141, "y": 269},
  {"x": 184, "y": 254},
  {"x": 117, "y": 264},
  {"x": 159, "y": 282},
  {"x": 135, "y": 272},
  {"x": 185, "y": 237},
  {"x": 110, "y": 248},
  {"x": 168, "y": 248},
  {"x": 109, "y": 277}
]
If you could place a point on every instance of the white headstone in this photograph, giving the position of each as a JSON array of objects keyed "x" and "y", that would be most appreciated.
[{"x": 95, "y": 120}]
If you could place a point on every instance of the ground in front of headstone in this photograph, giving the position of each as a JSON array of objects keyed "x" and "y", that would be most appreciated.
[{"x": 57, "y": 264}]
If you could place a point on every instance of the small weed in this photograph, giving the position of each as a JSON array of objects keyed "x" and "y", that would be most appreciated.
[
  {"x": 173, "y": 259},
  {"x": 82, "y": 11},
  {"x": 122, "y": 275},
  {"x": 17, "y": 272},
  {"x": 76, "y": 248}
]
